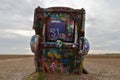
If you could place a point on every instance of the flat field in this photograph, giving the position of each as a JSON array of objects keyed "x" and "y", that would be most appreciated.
[{"x": 100, "y": 67}]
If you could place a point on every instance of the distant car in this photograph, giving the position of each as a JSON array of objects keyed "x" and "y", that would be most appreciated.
[{"x": 59, "y": 41}]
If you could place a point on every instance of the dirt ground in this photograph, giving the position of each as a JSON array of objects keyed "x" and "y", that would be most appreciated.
[{"x": 99, "y": 67}]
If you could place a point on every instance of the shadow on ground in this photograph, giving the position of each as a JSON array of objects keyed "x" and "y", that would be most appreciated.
[{"x": 58, "y": 76}]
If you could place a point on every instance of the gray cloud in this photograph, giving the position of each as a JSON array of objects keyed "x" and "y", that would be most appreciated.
[
  {"x": 16, "y": 19},
  {"x": 15, "y": 26},
  {"x": 102, "y": 25}
]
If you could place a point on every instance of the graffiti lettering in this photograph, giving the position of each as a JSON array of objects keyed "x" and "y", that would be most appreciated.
[{"x": 54, "y": 32}]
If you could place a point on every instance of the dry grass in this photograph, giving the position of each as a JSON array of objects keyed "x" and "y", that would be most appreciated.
[
  {"x": 100, "y": 67},
  {"x": 3, "y": 57},
  {"x": 103, "y": 56}
]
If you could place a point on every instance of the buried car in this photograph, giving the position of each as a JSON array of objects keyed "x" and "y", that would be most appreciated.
[{"x": 59, "y": 43}]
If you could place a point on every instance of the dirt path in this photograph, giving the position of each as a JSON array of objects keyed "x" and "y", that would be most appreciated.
[
  {"x": 16, "y": 69},
  {"x": 99, "y": 69},
  {"x": 104, "y": 68}
]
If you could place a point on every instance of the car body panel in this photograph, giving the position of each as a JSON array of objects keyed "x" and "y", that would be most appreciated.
[{"x": 60, "y": 31}]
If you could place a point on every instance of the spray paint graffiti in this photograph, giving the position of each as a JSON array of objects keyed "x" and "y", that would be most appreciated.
[
  {"x": 60, "y": 26},
  {"x": 61, "y": 43}
]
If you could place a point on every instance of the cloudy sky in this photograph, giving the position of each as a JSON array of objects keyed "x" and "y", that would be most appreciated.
[{"x": 102, "y": 23}]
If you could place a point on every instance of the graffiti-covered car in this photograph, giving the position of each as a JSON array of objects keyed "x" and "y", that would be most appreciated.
[{"x": 59, "y": 42}]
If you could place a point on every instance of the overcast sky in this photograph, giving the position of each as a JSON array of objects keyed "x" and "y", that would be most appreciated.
[{"x": 102, "y": 23}]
